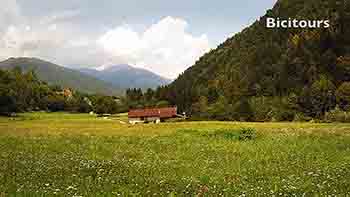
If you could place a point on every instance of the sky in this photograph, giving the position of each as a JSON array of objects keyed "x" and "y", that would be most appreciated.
[{"x": 165, "y": 37}]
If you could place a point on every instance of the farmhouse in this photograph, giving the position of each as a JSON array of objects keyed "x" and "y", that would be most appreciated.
[{"x": 155, "y": 115}]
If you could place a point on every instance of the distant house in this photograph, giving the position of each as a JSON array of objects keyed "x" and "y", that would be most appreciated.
[{"x": 155, "y": 115}]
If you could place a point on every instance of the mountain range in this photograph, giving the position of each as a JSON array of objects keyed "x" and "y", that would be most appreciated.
[
  {"x": 57, "y": 75},
  {"x": 112, "y": 80},
  {"x": 125, "y": 76}
]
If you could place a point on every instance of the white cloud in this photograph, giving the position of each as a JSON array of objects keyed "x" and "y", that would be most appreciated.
[
  {"x": 9, "y": 8},
  {"x": 165, "y": 47},
  {"x": 50, "y": 38},
  {"x": 9, "y": 14},
  {"x": 121, "y": 41},
  {"x": 23, "y": 40}
]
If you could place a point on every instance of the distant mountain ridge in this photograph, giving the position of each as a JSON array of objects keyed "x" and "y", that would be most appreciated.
[
  {"x": 57, "y": 75},
  {"x": 125, "y": 76},
  {"x": 111, "y": 80}
]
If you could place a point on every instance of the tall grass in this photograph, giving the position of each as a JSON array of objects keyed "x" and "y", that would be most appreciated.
[{"x": 200, "y": 158}]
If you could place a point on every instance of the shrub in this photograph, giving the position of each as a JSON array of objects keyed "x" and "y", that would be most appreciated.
[
  {"x": 343, "y": 96},
  {"x": 283, "y": 108},
  {"x": 273, "y": 108},
  {"x": 247, "y": 134},
  {"x": 226, "y": 133},
  {"x": 243, "y": 110},
  {"x": 283, "y": 115},
  {"x": 262, "y": 107},
  {"x": 301, "y": 117},
  {"x": 337, "y": 115}
]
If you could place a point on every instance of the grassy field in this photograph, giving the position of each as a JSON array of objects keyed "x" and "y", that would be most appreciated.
[{"x": 81, "y": 155}]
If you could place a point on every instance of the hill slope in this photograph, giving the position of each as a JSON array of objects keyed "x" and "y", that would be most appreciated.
[
  {"x": 125, "y": 76},
  {"x": 58, "y": 75},
  {"x": 272, "y": 62}
]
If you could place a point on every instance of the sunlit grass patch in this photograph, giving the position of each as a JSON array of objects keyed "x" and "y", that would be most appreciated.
[{"x": 83, "y": 155}]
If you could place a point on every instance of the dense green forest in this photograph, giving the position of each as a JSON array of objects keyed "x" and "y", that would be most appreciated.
[
  {"x": 23, "y": 91},
  {"x": 263, "y": 74}
]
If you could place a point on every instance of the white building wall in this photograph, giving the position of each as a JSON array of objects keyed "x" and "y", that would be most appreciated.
[
  {"x": 135, "y": 120},
  {"x": 148, "y": 119}
]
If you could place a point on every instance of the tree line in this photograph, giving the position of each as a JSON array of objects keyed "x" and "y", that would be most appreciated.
[
  {"x": 137, "y": 99},
  {"x": 23, "y": 91}
]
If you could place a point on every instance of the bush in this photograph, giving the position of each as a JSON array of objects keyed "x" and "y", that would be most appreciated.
[
  {"x": 283, "y": 109},
  {"x": 273, "y": 108},
  {"x": 262, "y": 107},
  {"x": 301, "y": 117},
  {"x": 343, "y": 96},
  {"x": 243, "y": 111},
  {"x": 105, "y": 105},
  {"x": 247, "y": 134},
  {"x": 225, "y": 133},
  {"x": 337, "y": 115},
  {"x": 283, "y": 115}
]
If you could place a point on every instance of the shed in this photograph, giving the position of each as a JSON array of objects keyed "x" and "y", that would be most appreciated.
[{"x": 154, "y": 115}]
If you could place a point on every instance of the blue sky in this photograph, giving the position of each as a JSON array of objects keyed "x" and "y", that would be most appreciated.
[{"x": 165, "y": 37}]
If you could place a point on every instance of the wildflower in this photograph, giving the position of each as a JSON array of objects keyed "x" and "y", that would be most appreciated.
[{"x": 70, "y": 187}]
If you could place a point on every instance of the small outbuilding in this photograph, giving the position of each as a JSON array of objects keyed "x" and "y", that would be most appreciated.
[{"x": 155, "y": 115}]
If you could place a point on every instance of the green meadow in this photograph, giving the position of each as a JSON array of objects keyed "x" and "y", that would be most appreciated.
[{"x": 45, "y": 154}]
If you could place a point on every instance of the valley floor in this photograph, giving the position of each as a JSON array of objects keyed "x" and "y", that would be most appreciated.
[{"x": 81, "y": 155}]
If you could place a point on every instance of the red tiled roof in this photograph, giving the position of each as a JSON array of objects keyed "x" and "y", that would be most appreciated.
[{"x": 167, "y": 112}]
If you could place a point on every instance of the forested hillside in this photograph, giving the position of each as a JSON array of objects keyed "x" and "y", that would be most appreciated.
[{"x": 263, "y": 74}]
